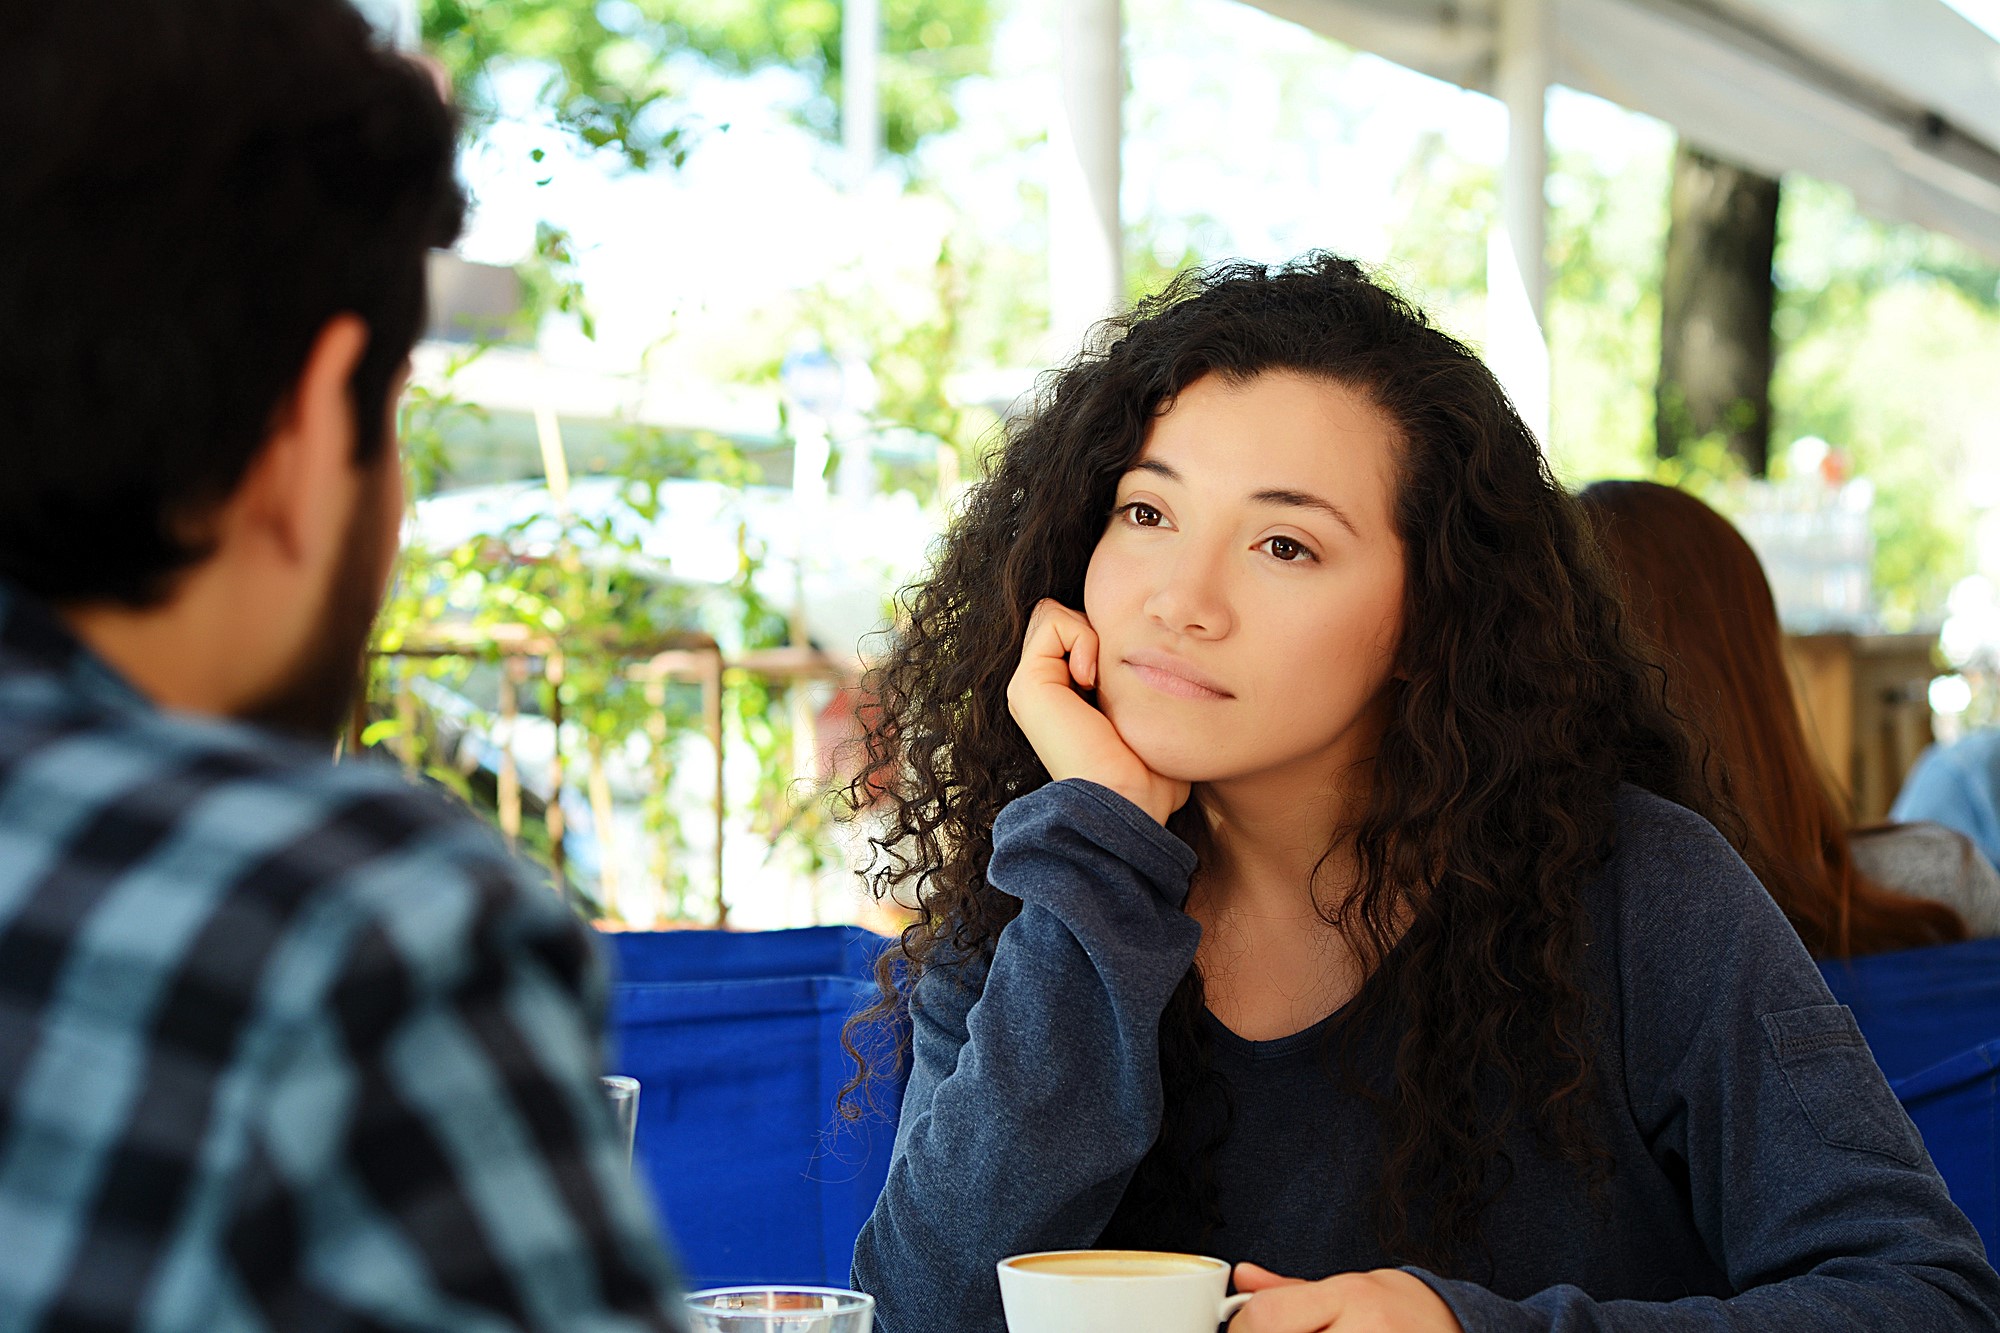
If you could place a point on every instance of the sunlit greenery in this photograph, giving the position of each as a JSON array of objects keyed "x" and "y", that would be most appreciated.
[
  {"x": 609, "y": 65},
  {"x": 1887, "y": 336}
]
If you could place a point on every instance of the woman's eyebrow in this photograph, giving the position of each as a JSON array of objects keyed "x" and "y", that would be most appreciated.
[
  {"x": 1307, "y": 500},
  {"x": 1272, "y": 496}
]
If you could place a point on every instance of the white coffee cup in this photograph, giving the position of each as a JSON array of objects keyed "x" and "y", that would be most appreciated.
[{"x": 1115, "y": 1291}]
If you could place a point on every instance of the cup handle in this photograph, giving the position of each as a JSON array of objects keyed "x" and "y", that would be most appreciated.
[{"x": 1230, "y": 1305}]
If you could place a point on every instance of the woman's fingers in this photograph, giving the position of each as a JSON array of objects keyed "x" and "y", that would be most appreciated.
[
  {"x": 1362, "y": 1302},
  {"x": 1251, "y": 1277},
  {"x": 1060, "y": 646},
  {"x": 1083, "y": 657},
  {"x": 1073, "y": 739},
  {"x": 1290, "y": 1307},
  {"x": 1051, "y": 630}
]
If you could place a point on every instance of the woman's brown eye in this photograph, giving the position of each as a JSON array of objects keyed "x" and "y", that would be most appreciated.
[
  {"x": 1145, "y": 516},
  {"x": 1287, "y": 550}
]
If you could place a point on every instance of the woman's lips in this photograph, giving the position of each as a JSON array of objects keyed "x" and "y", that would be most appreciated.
[{"x": 1165, "y": 678}]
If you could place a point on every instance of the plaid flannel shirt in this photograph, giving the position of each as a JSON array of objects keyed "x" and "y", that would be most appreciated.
[{"x": 284, "y": 1045}]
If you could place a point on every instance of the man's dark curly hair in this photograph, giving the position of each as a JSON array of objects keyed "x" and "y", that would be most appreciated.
[{"x": 1518, "y": 709}]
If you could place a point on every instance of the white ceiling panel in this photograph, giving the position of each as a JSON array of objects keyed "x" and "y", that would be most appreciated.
[{"x": 1898, "y": 100}]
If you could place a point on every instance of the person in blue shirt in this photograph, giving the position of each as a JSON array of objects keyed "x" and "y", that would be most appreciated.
[
  {"x": 283, "y": 1045},
  {"x": 1958, "y": 786},
  {"x": 1310, "y": 873}
]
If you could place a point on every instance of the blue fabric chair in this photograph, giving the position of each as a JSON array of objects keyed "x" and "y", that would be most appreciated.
[
  {"x": 1932, "y": 1020},
  {"x": 723, "y": 955},
  {"x": 736, "y": 1042},
  {"x": 1955, "y": 1105}
]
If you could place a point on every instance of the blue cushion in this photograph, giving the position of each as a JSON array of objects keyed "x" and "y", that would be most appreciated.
[
  {"x": 1922, "y": 1006},
  {"x": 1955, "y": 1105},
  {"x": 1932, "y": 1019},
  {"x": 722, "y": 955},
  {"x": 757, "y": 1177}
]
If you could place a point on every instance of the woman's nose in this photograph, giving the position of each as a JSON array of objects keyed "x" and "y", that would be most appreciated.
[{"x": 1191, "y": 600}]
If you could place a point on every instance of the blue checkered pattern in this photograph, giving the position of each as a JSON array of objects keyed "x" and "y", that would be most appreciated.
[{"x": 284, "y": 1045}]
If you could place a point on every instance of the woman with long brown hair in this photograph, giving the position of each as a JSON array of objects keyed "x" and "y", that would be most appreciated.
[
  {"x": 1697, "y": 594},
  {"x": 1310, "y": 875}
]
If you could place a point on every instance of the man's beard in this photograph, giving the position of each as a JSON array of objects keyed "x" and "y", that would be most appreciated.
[{"x": 316, "y": 696}]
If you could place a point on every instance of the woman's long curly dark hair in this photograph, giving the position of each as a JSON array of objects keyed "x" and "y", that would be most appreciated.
[{"x": 1519, "y": 709}]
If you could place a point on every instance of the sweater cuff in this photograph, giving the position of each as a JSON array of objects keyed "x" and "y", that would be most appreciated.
[
  {"x": 1477, "y": 1309},
  {"x": 1107, "y": 820}
]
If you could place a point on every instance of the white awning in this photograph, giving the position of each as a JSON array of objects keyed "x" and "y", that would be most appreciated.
[{"x": 1897, "y": 100}]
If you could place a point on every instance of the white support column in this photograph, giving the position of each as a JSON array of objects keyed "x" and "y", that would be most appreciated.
[
  {"x": 861, "y": 86},
  {"x": 1516, "y": 265},
  {"x": 1086, "y": 235}
]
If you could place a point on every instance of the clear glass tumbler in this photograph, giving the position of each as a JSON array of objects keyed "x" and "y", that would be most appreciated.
[
  {"x": 623, "y": 1094},
  {"x": 780, "y": 1310}
]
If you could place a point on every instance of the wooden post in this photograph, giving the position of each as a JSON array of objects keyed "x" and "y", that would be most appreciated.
[
  {"x": 513, "y": 670},
  {"x": 711, "y": 700},
  {"x": 663, "y": 776},
  {"x": 552, "y": 672},
  {"x": 406, "y": 718},
  {"x": 357, "y": 716}
]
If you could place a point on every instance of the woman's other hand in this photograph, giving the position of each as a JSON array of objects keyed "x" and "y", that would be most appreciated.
[
  {"x": 1387, "y": 1300},
  {"x": 1073, "y": 739}
]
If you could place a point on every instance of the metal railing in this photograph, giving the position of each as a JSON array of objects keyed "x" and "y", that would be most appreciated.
[{"x": 528, "y": 658}]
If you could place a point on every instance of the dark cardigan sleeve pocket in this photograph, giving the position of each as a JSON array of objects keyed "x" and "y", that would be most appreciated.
[{"x": 1826, "y": 1061}]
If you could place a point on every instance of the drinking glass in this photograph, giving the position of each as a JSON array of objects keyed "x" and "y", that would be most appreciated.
[
  {"x": 780, "y": 1310},
  {"x": 623, "y": 1094}
]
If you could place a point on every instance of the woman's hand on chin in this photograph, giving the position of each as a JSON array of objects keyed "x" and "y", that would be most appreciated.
[
  {"x": 1386, "y": 1299},
  {"x": 1073, "y": 739}
]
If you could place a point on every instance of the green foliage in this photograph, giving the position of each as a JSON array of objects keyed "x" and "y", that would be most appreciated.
[
  {"x": 605, "y": 86},
  {"x": 1607, "y": 244},
  {"x": 585, "y": 582},
  {"x": 1705, "y": 467},
  {"x": 428, "y": 415},
  {"x": 1156, "y": 252},
  {"x": 608, "y": 71},
  {"x": 912, "y": 333},
  {"x": 549, "y": 282},
  {"x": 927, "y": 46},
  {"x": 1607, "y": 227},
  {"x": 610, "y": 62},
  {"x": 1887, "y": 340},
  {"x": 1439, "y": 254}
]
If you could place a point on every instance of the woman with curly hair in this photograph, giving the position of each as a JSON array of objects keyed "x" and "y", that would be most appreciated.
[
  {"x": 1310, "y": 874},
  {"x": 1697, "y": 595}
]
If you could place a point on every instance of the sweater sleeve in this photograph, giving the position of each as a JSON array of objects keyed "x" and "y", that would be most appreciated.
[
  {"x": 1806, "y": 1179},
  {"x": 1035, "y": 1088}
]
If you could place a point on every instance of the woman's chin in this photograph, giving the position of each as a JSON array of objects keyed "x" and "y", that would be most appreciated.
[
  {"x": 1167, "y": 744},
  {"x": 1177, "y": 761}
]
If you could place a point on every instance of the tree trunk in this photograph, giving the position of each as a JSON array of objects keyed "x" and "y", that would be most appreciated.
[{"x": 1715, "y": 309}]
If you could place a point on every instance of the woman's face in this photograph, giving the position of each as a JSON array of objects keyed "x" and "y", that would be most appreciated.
[{"x": 1248, "y": 590}]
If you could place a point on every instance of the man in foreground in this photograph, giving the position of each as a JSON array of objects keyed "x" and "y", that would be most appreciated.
[{"x": 282, "y": 1045}]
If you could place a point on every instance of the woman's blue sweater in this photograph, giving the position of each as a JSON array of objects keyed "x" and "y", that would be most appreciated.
[{"x": 1763, "y": 1175}]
